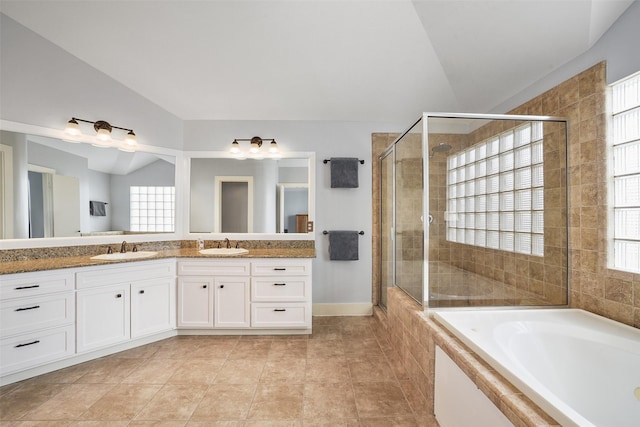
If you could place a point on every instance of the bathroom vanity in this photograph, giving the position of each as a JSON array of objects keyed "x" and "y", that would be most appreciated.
[{"x": 54, "y": 318}]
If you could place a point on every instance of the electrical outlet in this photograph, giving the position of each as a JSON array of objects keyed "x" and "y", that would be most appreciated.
[{"x": 309, "y": 226}]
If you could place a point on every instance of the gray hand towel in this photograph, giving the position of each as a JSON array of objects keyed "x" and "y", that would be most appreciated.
[
  {"x": 97, "y": 208},
  {"x": 343, "y": 245},
  {"x": 344, "y": 172}
]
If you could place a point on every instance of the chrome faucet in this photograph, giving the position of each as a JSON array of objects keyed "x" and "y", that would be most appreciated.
[
  {"x": 123, "y": 247},
  {"x": 227, "y": 242}
]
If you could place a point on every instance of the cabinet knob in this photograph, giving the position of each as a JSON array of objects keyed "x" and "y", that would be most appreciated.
[
  {"x": 279, "y": 309},
  {"x": 142, "y": 291},
  {"x": 279, "y": 269},
  {"x": 204, "y": 286},
  {"x": 221, "y": 286},
  {"x": 279, "y": 284},
  {"x": 119, "y": 296}
]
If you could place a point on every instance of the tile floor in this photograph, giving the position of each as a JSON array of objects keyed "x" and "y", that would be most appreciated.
[{"x": 341, "y": 375}]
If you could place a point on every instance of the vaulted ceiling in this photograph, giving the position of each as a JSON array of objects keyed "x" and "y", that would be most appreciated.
[{"x": 321, "y": 60}]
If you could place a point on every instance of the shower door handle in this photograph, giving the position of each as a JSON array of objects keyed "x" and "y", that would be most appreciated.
[{"x": 430, "y": 218}]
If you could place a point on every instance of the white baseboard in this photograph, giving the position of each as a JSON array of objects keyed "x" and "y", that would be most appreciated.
[{"x": 352, "y": 309}]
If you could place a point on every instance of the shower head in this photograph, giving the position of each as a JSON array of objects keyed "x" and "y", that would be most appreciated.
[{"x": 441, "y": 148}]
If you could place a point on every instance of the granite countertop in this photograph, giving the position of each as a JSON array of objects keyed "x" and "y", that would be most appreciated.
[{"x": 53, "y": 263}]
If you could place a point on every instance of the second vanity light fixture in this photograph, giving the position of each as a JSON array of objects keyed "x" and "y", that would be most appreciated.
[
  {"x": 254, "y": 148},
  {"x": 103, "y": 133}
]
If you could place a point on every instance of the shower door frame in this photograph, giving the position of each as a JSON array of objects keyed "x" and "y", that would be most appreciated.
[{"x": 476, "y": 116}]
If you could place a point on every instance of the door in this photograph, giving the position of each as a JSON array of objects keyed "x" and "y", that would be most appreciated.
[
  {"x": 152, "y": 307},
  {"x": 195, "y": 302},
  {"x": 234, "y": 204},
  {"x": 66, "y": 206},
  {"x": 232, "y": 302},
  {"x": 103, "y": 317}
]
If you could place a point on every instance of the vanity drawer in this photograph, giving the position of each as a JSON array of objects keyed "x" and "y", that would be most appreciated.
[
  {"x": 119, "y": 273},
  {"x": 37, "y": 283},
  {"x": 214, "y": 268},
  {"x": 285, "y": 267},
  {"x": 28, "y": 314},
  {"x": 29, "y": 350},
  {"x": 283, "y": 315},
  {"x": 277, "y": 288}
]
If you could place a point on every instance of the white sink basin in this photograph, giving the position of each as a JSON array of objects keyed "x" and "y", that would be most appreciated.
[
  {"x": 223, "y": 251},
  {"x": 126, "y": 255}
]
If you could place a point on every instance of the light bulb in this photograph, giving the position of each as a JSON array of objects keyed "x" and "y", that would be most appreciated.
[
  {"x": 72, "y": 128},
  {"x": 254, "y": 147},
  {"x": 235, "y": 147},
  {"x": 104, "y": 134},
  {"x": 273, "y": 147},
  {"x": 130, "y": 139}
]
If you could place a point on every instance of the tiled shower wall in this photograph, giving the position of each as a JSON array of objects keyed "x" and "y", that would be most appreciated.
[{"x": 593, "y": 286}]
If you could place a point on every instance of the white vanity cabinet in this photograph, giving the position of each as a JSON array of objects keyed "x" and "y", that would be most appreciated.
[
  {"x": 281, "y": 293},
  {"x": 213, "y": 293},
  {"x": 37, "y": 316},
  {"x": 257, "y": 294},
  {"x": 120, "y": 302}
]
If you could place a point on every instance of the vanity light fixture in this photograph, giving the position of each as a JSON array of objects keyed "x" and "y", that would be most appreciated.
[
  {"x": 103, "y": 133},
  {"x": 255, "y": 144}
]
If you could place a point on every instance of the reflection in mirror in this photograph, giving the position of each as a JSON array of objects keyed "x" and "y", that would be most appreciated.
[
  {"x": 61, "y": 189},
  {"x": 248, "y": 196}
]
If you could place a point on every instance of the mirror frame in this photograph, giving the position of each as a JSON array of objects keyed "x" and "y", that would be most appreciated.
[
  {"x": 186, "y": 190},
  {"x": 10, "y": 126}
]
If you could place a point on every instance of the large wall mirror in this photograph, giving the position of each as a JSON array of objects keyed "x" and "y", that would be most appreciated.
[
  {"x": 52, "y": 188},
  {"x": 251, "y": 196}
]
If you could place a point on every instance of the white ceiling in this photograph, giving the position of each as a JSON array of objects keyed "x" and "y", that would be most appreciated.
[{"x": 321, "y": 60}]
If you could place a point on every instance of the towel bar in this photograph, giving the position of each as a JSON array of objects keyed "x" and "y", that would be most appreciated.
[
  {"x": 360, "y": 233},
  {"x": 325, "y": 161}
]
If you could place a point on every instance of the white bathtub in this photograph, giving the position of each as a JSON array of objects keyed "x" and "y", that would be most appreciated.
[{"x": 582, "y": 369}]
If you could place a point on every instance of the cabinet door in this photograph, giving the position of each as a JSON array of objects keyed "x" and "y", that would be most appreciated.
[
  {"x": 195, "y": 302},
  {"x": 103, "y": 316},
  {"x": 232, "y": 302},
  {"x": 152, "y": 306}
]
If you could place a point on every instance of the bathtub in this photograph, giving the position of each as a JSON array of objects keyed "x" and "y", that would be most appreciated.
[{"x": 582, "y": 369}]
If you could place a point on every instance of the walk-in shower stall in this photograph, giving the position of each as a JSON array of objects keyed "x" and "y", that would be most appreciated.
[{"x": 473, "y": 211}]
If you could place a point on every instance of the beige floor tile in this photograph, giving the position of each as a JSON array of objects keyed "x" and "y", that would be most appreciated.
[
  {"x": 395, "y": 361},
  {"x": 407, "y": 421},
  {"x": 177, "y": 349},
  {"x": 70, "y": 403},
  {"x": 196, "y": 371},
  {"x": 173, "y": 402},
  {"x": 6, "y": 389},
  {"x": 215, "y": 349},
  {"x": 416, "y": 400},
  {"x": 110, "y": 370},
  {"x": 291, "y": 371},
  {"x": 327, "y": 370},
  {"x": 142, "y": 352},
  {"x": 240, "y": 371},
  {"x": 325, "y": 348},
  {"x": 121, "y": 403},
  {"x": 41, "y": 423},
  {"x": 330, "y": 422},
  {"x": 374, "y": 369},
  {"x": 238, "y": 423},
  {"x": 27, "y": 398},
  {"x": 62, "y": 376},
  {"x": 382, "y": 399},
  {"x": 357, "y": 331},
  {"x": 100, "y": 424},
  {"x": 286, "y": 349},
  {"x": 277, "y": 402},
  {"x": 273, "y": 423},
  {"x": 251, "y": 349},
  {"x": 326, "y": 332},
  {"x": 329, "y": 401},
  {"x": 149, "y": 423},
  {"x": 362, "y": 348},
  {"x": 153, "y": 371},
  {"x": 225, "y": 402},
  {"x": 427, "y": 421}
]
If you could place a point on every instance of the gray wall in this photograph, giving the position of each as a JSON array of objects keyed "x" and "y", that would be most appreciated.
[
  {"x": 618, "y": 46},
  {"x": 44, "y": 85}
]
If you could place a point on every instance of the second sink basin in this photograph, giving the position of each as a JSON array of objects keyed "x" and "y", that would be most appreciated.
[
  {"x": 126, "y": 255},
  {"x": 223, "y": 251}
]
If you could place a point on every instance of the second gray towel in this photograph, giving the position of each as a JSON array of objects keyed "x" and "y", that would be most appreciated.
[
  {"x": 343, "y": 245},
  {"x": 344, "y": 172}
]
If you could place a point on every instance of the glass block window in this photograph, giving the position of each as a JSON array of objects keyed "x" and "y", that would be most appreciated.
[
  {"x": 152, "y": 208},
  {"x": 625, "y": 174},
  {"x": 495, "y": 194}
]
